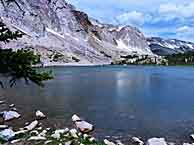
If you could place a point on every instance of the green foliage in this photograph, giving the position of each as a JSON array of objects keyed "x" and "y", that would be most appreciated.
[
  {"x": 181, "y": 59},
  {"x": 6, "y": 35},
  {"x": 18, "y": 64}
]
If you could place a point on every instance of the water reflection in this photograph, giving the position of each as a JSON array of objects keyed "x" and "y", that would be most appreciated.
[{"x": 138, "y": 100}]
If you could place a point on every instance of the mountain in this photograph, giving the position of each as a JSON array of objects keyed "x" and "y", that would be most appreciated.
[
  {"x": 61, "y": 34},
  {"x": 164, "y": 47}
]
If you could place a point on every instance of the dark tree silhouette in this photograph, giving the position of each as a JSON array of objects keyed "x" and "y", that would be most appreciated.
[{"x": 18, "y": 64}]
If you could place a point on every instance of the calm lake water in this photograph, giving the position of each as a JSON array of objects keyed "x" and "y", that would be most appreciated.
[{"x": 137, "y": 100}]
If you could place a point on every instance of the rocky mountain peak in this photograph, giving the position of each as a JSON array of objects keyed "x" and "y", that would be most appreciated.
[
  {"x": 56, "y": 27},
  {"x": 164, "y": 47}
]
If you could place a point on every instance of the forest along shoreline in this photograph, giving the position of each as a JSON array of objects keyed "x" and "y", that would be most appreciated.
[{"x": 36, "y": 128}]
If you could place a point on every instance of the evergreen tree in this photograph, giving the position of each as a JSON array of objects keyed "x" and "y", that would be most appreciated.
[{"x": 18, "y": 64}]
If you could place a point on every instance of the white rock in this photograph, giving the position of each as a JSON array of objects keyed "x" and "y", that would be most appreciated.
[
  {"x": 75, "y": 118},
  {"x": 12, "y": 105},
  {"x": 43, "y": 133},
  {"x": 85, "y": 136},
  {"x": 137, "y": 140},
  {"x": 40, "y": 115},
  {"x": 92, "y": 139},
  {"x": 68, "y": 143},
  {"x": 73, "y": 133},
  {"x": 171, "y": 143},
  {"x": 156, "y": 141},
  {"x": 40, "y": 128},
  {"x": 7, "y": 134},
  {"x": 119, "y": 142},
  {"x": 192, "y": 136},
  {"x": 81, "y": 144},
  {"x": 66, "y": 130},
  {"x": 187, "y": 144},
  {"x": 48, "y": 129},
  {"x": 61, "y": 131},
  {"x": 21, "y": 132},
  {"x": 107, "y": 142},
  {"x": 3, "y": 126},
  {"x": 56, "y": 136},
  {"x": 14, "y": 109},
  {"x": 2, "y": 102},
  {"x": 9, "y": 115},
  {"x": 36, "y": 138},
  {"x": 84, "y": 126},
  {"x": 47, "y": 142},
  {"x": 31, "y": 126},
  {"x": 15, "y": 141}
]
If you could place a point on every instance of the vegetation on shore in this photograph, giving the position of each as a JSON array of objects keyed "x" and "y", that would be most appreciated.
[{"x": 180, "y": 59}]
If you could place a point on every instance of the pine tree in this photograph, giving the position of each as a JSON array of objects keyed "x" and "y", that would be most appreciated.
[{"x": 18, "y": 64}]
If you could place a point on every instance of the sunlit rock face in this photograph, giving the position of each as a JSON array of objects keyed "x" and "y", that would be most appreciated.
[
  {"x": 163, "y": 47},
  {"x": 55, "y": 27}
]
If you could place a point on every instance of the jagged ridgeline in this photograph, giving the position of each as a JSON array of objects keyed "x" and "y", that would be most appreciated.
[{"x": 60, "y": 33}]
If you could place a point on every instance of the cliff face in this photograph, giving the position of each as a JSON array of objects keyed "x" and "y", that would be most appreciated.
[{"x": 55, "y": 29}]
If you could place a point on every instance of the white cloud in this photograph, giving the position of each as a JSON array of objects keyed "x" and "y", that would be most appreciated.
[
  {"x": 133, "y": 18},
  {"x": 174, "y": 10},
  {"x": 183, "y": 29},
  {"x": 185, "y": 33}
]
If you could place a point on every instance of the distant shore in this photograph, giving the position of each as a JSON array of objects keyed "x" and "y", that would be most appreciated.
[{"x": 71, "y": 64}]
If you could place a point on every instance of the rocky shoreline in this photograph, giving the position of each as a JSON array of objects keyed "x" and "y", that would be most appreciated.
[{"x": 41, "y": 130}]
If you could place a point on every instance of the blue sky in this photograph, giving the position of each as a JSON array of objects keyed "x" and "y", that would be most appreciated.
[{"x": 164, "y": 18}]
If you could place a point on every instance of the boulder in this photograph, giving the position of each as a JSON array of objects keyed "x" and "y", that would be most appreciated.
[
  {"x": 31, "y": 126},
  {"x": 59, "y": 132},
  {"x": 12, "y": 105},
  {"x": 68, "y": 143},
  {"x": 35, "y": 138},
  {"x": 192, "y": 136},
  {"x": 3, "y": 127},
  {"x": 137, "y": 140},
  {"x": 75, "y": 118},
  {"x": 2, "y": 102},
  {"x": 107, "y": 142},
  {"x": 21, "y": 132},
  {"x": 85, "y": 136},
  {"x": 73, "y": 133},
  {"x": 92, "y": 139},
  {"x": 156, "y": 141},
  {"x": 43, "y": 133},
  {"x": 40, "y": 115},
  {"x": 119, "y": 142},
  {"x": 9, "y": 115},
  {"x": 56, "y": 136},
  {"x": 187, "y": 144},
  {"x": 7, "y": 134},
  {"x": 15, "y": 141},
  {"x": 84, "y": 126},
  {"x": 171, "y": 143}
]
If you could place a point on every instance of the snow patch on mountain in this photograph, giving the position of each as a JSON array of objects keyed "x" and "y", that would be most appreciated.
[{"x": 163, "y": 47}]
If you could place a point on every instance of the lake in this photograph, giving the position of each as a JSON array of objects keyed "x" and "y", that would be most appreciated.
[{"x": 138, "y": 100}]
